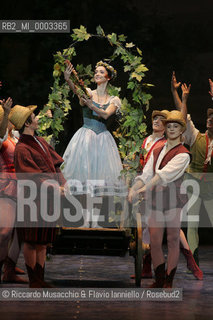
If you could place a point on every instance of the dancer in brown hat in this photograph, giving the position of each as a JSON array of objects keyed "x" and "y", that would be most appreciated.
[
  {"x": 164, "y": 170},
  {"x": 153, "y": 141},
  {"x": 33, "y": 155}
]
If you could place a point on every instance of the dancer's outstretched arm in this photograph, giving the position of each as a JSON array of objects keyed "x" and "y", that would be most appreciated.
[
  {"x": 185, "y": 95},
  {"x": 105, "y": 114},
  {"x": 211, "y": 88},
  {"x": 174, "y": 87},
  {"x": 67, "y": 74}
]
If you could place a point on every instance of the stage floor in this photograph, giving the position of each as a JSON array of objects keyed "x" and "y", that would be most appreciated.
[{"x": 113, "y": 272}]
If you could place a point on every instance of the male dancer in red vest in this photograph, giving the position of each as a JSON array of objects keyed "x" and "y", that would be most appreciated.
[
  {"x": 156, "y": 139},
  {"x": 153, "y": 141},
  {"x": 164, "y": 170}
]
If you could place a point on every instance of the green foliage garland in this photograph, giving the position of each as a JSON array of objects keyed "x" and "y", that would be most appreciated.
[{"x": 132, "y": 129}]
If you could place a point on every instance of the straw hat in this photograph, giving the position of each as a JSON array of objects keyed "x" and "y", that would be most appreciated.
[
  {"x": 163, "y": 113},
  {"x": 19, "y": 114},
  {"x": 209, "y": 112},
  {"x": 175, "y": 116},
  {"x": 1, "y": 113}
]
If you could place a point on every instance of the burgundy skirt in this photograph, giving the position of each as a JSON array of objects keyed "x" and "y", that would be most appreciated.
[{"x": 38, "y": 235}]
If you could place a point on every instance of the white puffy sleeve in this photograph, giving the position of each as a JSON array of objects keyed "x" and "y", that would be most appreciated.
[
  {"x": 4, "y": 138},
  {"x": 191, "y": 132},
  {"x": 117, "y": 102},
  {"x": 89, "y": 91}
]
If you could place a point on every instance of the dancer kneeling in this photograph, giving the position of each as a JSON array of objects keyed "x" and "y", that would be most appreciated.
[{"x": 163, "y": 176}]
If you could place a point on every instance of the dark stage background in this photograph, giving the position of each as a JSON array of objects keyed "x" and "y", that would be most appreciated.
[{"x": 173, "y": 35}]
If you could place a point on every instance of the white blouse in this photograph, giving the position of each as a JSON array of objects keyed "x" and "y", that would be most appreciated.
[
  {"x": 150, "y": 141},
  {"x": 173, "y": 170},
  {"x": 111, "y": 100}
]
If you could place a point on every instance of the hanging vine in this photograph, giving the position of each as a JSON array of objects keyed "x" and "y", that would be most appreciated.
[{"x": 132, "y": 128}]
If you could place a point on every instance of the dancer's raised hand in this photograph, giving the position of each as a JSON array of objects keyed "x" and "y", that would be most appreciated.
[
  {"x": 68, "y": 70},
  {"x": 174, "y": 84},
  {"x": 6, "y": 105},
  {"x": 185, "y": 91},
  {"x": 211, "y": 88}
]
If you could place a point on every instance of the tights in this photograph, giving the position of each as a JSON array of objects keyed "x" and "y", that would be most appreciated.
[
  {"x": 7, "y": 219},
  {"x": 158, "y": 221}
]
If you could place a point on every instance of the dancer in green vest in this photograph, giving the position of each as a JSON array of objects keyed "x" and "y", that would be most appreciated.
[{"x": 201, "y": 167}]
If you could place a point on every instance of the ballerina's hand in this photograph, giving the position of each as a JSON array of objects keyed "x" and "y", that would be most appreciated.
[
  {"x": 88, "y": 102},
  {"x": 132, "y": 195},
  {"x": 68, "y": 71}
]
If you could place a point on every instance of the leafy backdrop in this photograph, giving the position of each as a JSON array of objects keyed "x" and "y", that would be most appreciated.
[{"x": 132, "y": 128}]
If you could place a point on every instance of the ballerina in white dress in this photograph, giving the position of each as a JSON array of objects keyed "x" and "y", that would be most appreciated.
[{"x": 92, "y": 162}]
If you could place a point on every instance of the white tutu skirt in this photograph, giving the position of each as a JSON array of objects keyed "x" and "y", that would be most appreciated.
[{"x": 92, "y": 164}]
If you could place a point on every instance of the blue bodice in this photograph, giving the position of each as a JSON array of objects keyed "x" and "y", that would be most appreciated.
[{"x": 93, "y": 121}]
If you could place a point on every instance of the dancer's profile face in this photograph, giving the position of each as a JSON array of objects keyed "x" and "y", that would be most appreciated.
[
  {"x": 101, "y": 75},
  {"x": 173, "y": 130},
  {"x": 157, "y": 124},
  {"x": 209, "y": 122},
  {"x": 34, "y": 123}
]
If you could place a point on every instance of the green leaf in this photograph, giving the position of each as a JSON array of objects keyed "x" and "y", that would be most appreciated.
[
  {"x": 136, "y": 76},
  {"x": 81, "y": 34},
  {"x": 127, "y": 68},
  {"x": 100, "y": 31},
  {"x": 79, "y": 68},
  {"x": 122, "y": 38},
  {"x": 130, "y": 45},
  {"x": 142, "y": 127},
  {"x": 139, "y": 51},
  {"x": 134, "y": 61},
  {"x": 146, "y": 97},
  {"x": 112, "y": 38},
  {"x": 131, "y": 85},
  {"x": 56, "y": 73},
  {"x": 148, "y": 85},
  {"x": 119, "y": 50},
  {"x": 113, "y": 91},
  {"x": 88, "y": 71},
  {"x": 141, "y": 68}
]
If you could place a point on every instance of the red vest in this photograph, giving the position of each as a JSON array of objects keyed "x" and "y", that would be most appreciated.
[
  {"x": 171, "y": 196},
  {"x": 169, "y": 155},
  {"x": 145, "y": 157}
]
